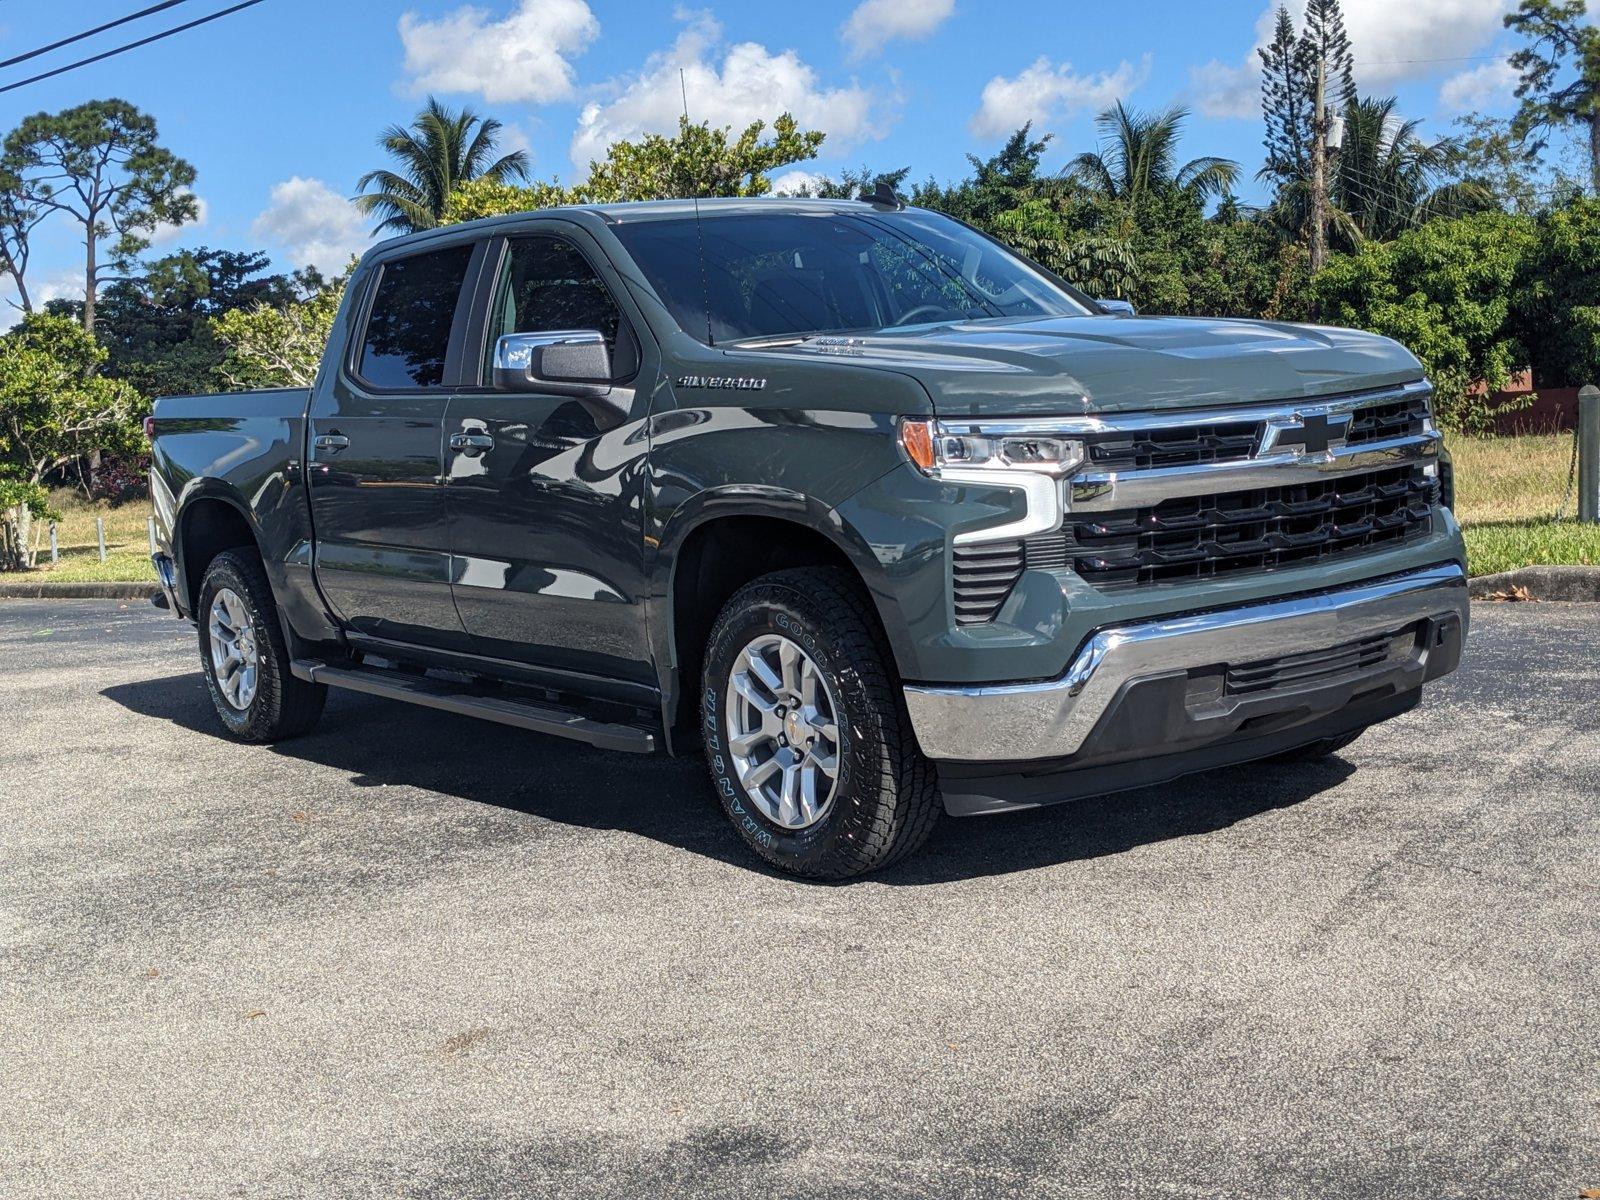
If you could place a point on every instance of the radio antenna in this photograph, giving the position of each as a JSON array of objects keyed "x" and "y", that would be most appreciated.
[{"x": 699, "y": 233}]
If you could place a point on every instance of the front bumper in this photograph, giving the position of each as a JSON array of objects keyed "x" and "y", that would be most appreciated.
[{"x": 1150, "y": 687}]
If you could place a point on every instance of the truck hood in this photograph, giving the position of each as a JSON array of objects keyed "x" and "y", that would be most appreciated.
[{"x": 1075, "y": 365}]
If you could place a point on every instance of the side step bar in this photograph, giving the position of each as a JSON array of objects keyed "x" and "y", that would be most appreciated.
[{"x": 437, "y": 693}]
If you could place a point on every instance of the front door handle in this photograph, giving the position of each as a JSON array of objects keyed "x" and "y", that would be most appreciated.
[
  {"x": 471, "y": 443},
  {"x": 331, "y": 442}
]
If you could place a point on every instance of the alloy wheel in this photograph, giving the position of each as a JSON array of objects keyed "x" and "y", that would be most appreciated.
[
  {"x": 235, "y": 658},
  {"x": 783, "y": 732}
]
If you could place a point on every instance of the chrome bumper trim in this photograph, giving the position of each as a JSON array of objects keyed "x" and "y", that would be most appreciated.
[
  {"x": 1021, "y": 722},
  {"x": 167, "y": 577}
]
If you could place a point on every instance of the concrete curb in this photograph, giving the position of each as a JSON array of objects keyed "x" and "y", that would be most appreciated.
[
  {"x": 1571, "y": 585},
  {"x": 52, "y": 590}
]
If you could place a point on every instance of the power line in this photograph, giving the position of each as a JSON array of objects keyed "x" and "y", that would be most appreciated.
[
  {"x": 88, "y": 33},
  {"x": 155, "y": 37},
  {"x": 1399, "y": 62}
]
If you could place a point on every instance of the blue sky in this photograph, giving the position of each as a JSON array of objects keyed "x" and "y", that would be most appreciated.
[{"x": 278, "y": 106}]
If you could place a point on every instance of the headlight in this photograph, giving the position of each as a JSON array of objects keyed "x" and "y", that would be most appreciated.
[
  {"x": 937, "y": 447},
  {"x": 1034, "y": 464}
]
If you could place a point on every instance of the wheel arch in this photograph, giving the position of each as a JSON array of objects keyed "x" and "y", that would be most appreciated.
[
  {"x": 729, "y": 539},
  {"x": 210, "y": 520}
]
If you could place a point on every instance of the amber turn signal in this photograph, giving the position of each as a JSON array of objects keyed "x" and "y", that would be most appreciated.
[{"x": 917, "y": 438}]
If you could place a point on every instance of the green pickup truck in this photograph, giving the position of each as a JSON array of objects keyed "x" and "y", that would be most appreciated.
[{"x": 883, "y": 518}]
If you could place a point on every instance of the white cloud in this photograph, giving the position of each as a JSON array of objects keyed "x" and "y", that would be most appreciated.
[
  {"x": 1219, "y": 90},
  {"x": 1043, "y": 92},
  {"x": 1392, "y": 42},
  {"x": 875, "y": 22},
  {"x": 731, "y": 85},
  {"x": 313, "y": 224},
  {"x": 1483, "y": 87},
  {"x": 522, "y": 56},
  {"x": 1223, "y": 91},
  {"x": 793, "y": 182},
  {"x": 63, "y": 285}
]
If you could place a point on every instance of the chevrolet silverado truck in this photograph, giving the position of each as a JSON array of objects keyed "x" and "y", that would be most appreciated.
[{"x": 884, "y": 518}]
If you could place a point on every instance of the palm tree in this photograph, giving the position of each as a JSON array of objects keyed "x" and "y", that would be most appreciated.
[
  {"x": 1387, "y": 179},
  {"x": 439, "y": 150},
  {"x": 1139, "y": 156}
]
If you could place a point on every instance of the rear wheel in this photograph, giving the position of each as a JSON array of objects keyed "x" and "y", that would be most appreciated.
[
  {"x": 806, "y": 733},
  {"x": 245, "y": 659}
]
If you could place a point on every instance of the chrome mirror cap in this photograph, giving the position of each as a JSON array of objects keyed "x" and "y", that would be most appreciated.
[
  {"x": 1117, "y": 308},
  {"x": 573, "y": 362}
]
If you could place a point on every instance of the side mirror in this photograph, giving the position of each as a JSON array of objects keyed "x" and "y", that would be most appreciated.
[
  {"x": 568, "y": 362},
  {"x": 1117, "y": 308}
]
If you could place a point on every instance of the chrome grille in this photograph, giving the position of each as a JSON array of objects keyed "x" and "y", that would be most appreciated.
[
  {"x": 1197, "y": 537},
  {"x": 1407, "y": 417},
  {"x": 1181, "y": 446}
]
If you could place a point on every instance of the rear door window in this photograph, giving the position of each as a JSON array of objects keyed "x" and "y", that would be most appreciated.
[{"x": 413, "y": 311}]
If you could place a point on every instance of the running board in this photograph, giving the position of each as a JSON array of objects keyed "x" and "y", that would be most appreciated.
[{"x": 440, "y": 694}]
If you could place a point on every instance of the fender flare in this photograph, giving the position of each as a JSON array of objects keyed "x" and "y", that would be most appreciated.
[
  {"x": 202, "y": 489},
  {"x": 783, "y": 504}
]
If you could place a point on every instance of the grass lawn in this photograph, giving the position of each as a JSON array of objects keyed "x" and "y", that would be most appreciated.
[
  {"x": 1507, "y": 492},
  {"x": 127, "y": 542}
]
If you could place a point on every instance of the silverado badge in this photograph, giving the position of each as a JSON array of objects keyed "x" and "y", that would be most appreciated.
[{"x": 739, "y": 383}]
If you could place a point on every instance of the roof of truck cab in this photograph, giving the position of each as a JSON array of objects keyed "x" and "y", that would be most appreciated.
[{"x": 651, "y": 210}]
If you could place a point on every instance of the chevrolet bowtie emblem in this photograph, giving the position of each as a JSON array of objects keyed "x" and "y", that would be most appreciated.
[{"x": 1315, "y": 432}]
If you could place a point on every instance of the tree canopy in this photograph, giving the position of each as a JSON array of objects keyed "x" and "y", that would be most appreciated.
[{"x": 101, "y": 164}]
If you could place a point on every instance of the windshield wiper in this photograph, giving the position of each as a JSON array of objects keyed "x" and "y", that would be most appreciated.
[{"x": 769, "y": 343}]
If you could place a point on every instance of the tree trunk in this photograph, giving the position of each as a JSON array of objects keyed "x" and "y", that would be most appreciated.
[
  {"x": 1594, "y": 154},
  {"x": 15, "y": 526},
  {"x": 88, "y": 283}
]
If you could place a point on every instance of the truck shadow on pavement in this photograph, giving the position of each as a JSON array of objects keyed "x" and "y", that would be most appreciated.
[{"x": 381, "y": 743}]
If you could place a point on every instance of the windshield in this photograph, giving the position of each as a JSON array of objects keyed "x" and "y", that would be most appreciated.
[{"x": 789, "y": 275}]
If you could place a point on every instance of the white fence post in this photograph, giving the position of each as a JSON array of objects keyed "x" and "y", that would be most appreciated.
[{"x": 100, "y": 535}]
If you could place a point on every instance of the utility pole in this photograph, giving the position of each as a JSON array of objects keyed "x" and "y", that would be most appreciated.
[{"x": 1319, "y": 172}]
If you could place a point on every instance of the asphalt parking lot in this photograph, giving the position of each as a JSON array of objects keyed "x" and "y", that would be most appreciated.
[{"x": 417, "y": 955}]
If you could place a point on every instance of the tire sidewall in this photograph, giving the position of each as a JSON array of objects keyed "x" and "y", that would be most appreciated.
[
  {"x": 774, "y": 608},
  {"x": 255, "y": 722}
]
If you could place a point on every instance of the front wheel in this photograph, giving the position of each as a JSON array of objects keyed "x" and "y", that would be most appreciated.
[
  {"x": 245, "y": 659},
  {"x": 806, "y": 734}
]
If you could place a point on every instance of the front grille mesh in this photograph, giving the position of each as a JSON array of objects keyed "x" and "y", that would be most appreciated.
[
  {"x": 1379, "y": 422},
  {"x": 1294, "y": 670},
  {"x": 1180, "y": 446},
  {"x": 1198, "y": 537}
]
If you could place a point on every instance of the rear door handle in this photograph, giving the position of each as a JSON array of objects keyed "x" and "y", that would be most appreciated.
[
  {"x": 471, "y": 443},
  {"x": 331, "y": 442}
]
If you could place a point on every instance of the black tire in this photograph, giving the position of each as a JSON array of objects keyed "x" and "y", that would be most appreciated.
[
  {"x": 1316, "y": 751},
  {"x": 886, "y": 794},
  {"x": 282, "y": 706}
]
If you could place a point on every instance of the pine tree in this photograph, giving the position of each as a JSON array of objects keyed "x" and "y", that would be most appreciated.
[
  {"x": 1286, "y": 103},
  {"x": 1325, "y": 39}
]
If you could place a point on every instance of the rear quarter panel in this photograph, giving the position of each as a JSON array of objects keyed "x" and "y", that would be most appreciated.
[{"x": 243, "y": 449}]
